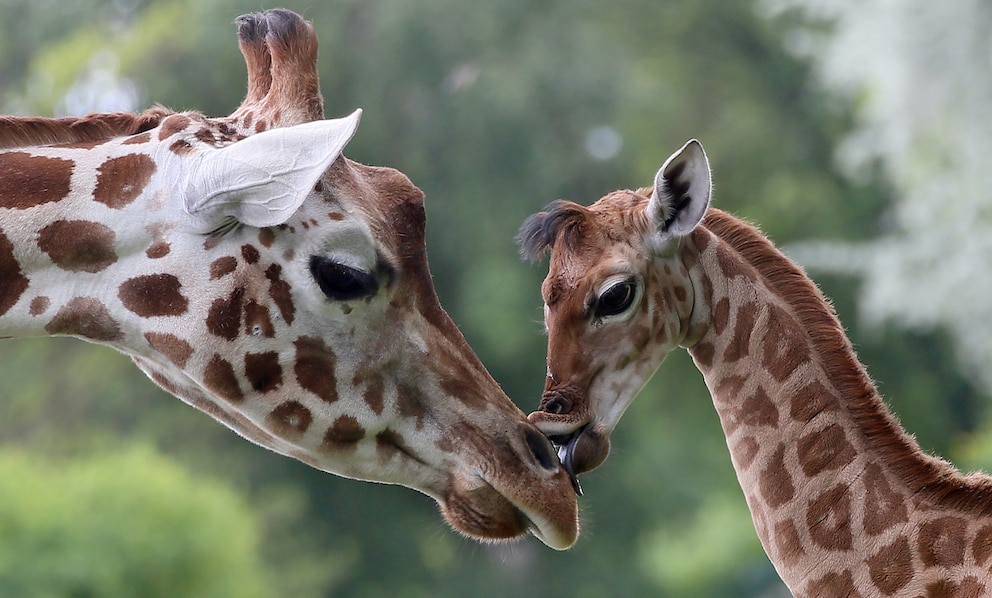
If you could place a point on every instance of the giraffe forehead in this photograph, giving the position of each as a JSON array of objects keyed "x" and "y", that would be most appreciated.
[{"x": 579, "y": 270}]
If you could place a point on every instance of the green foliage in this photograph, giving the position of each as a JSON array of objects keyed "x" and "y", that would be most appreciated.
[{"x": 127, "y": 523}]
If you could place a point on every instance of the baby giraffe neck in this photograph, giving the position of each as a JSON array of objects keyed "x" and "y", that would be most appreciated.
[{"x": 843, "y": 500}]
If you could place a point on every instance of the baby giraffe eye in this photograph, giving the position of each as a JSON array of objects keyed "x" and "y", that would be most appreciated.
[
  {"x": 616, "y": 299},
  {"x": 342, "y": 283}
]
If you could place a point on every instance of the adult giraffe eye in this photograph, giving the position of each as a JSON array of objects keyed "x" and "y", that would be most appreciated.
[
  {"x": 342, "y": 283},
  {"x": 616, "y": 299}
]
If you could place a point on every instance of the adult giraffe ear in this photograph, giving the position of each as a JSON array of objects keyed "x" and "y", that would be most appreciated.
[
  {"x": 682, "y": 190},
  {"x": 262, "y": 180}
]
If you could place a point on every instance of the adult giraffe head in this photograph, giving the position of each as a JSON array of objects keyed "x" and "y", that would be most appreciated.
[{"x": 252, "y": 270}]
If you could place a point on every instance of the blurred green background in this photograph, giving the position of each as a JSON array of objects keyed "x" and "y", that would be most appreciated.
[{"x": 824, "y": 122}]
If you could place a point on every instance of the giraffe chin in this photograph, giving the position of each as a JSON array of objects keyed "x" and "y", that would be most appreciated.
[{"x": 484, "y": 514}]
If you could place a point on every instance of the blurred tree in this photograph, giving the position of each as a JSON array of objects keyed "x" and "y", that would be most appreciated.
[
  {"x": 127, "y": 523},
  {"x": 920, "y": 78},
  {"x": 494, "y": 109}
]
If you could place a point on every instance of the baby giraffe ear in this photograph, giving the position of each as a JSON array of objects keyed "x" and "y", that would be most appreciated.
[
  {"x": 262, "y": 180},
  {"x": 682, "y": 191}
]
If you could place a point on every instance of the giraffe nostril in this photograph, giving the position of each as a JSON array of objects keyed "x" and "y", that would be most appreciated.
[
  {"x": 542, "y": 450},
  {"x": 557, "y": 405}
]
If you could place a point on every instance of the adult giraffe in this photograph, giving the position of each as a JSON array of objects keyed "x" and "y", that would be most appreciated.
[
  {"x": 254, "y": 272},
  {"x": 843, "y": 500}
]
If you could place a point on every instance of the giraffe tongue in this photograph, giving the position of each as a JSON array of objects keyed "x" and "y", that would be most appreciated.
[{"x": 565, "y": 454}]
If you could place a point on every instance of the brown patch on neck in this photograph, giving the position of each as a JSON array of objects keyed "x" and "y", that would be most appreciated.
[
  {"x": 928, "y": 477},
  {"x": 29, "y": 131},
  {"x": 12, "y": 280}
]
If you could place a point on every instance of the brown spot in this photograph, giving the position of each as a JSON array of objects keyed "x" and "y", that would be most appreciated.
[
  {"x": 158, "y": 249},
  {"x": 834, "y": 584},
  {"x": 263, "y": 371},
  {"x": 266, "y": 236},
  {"x": 119, "y": 181},
  {"x": 279, "y": 290},
  {"x": 745, "y": 451},
  {"x": 970, "y": 587},
  {"x": 941, "y": 542},
  {"x": 30, "y": 181},
  {"x": 829, "y": 519},
  {"x": 222, "y": 266},
  {"x": 153, "y": 295},
  {"x": 729, "y": 388},
  {"x": 219, "y": 377},
  {"x": 250, "y": 254},
  {"x": 206, "y": 136},
  {"x": 174, "y": 348},
  {"x": 86, "y": 317},
  {"x": 774, "y": 482},
  {"x": 224, "y": 316},
  {"x": 812, "y": 400},
  {"x": 785, "y": 344},
  {"x": 788, "y": 545},
  {"x": 738, "y": 345},
  {"x": 13, "y": 283},
  {"x": 373, "y": 394},
  {"x": 981, "y": 546},
  {"x": 891, "y": 568},
  {"x": 172, "y": 125},
  {"x": 211, "y": 241},
  {"x": 730, "y": 264},
  {"x": 314, "y": 368},
  {"x": 824, "y": 450},
  {"x": 78, "y": 245},
  {"x": 345, "y": 432},
  {"x": 257, "y": 321},
  {"x": 884, "y": 507},
  {"x": 410, "y": 403},
  {"x": 335, "y": 215},
  {"x": 758, "y": 410},
  {"x": 39, "y": 305},
  {"x": 289, "y": 420},
  {"x": 703, "y": 354},
  {"x": 138, "y": 139},
  {"x": 721, "y": 315},
  {"x": 180, "y": 147}
]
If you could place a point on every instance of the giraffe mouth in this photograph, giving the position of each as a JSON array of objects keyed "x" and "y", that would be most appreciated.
[
  {"x": 566, "y": 454},
  {"x": 580, "y": 451},
  {"x": 487, "y": 514}
]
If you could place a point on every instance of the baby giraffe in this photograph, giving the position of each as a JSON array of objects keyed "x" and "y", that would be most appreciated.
[{"x": 843, "y": 500}]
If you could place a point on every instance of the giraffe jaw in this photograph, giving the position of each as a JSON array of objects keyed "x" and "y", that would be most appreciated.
[{"x": 484, "y": 513}]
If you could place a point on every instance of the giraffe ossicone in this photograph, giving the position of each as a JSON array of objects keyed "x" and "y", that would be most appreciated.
[
  {"x": 253, "y": 271},
  {"x": 843, "y": 500}
]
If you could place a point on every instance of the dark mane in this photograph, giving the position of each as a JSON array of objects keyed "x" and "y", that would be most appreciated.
[
  {"x": 540, "y": 231},
  {"x": 24, "y": 131},
  {"x": 925, "y": 475}
]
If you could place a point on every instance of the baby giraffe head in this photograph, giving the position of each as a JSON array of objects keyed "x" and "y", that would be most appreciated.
[{"x": 618, "y": 298}]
